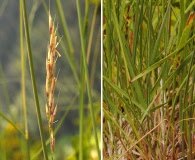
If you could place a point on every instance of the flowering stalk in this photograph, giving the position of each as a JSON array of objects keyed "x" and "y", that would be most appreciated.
[{"x": 51, "y": 80}]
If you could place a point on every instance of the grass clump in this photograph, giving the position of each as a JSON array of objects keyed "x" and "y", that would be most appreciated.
[
  {"x": 148, "y": 80},
  {"x": 25, "y": 105}
]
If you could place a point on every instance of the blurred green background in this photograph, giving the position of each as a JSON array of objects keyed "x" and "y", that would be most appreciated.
[{"x": 67, "y": 89}]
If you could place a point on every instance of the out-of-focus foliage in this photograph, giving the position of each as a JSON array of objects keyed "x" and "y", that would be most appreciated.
[
  {"x": 67, "y": 89},
  {"x": 10, "y": 144}
]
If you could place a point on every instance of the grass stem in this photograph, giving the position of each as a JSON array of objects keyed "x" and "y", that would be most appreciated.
[{"x": 34, "y": 81}]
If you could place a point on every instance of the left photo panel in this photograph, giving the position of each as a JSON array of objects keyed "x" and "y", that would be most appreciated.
[{"x": 50, "y": 80}]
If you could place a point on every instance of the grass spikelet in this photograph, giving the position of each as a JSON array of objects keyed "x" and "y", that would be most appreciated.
[{"x": 51, "y": 80}]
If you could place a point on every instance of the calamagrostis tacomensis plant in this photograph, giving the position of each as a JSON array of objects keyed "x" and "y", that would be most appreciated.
[{"x": 51, "y": 59}]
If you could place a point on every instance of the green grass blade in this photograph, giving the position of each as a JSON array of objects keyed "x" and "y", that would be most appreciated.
[
  {"x": 23, "y": 66},
  {"x": 34, "y": 81},
  {"x": 64, "y": 25},
  {"x": 83, "y": 51},
  {"x": 190, "y": 6},
  {"x": 9, "y": 121},
  {"x": 155, "y": 65}
]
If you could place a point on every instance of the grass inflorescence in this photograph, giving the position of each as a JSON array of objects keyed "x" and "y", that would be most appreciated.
[{"x": 51, "y": 80}]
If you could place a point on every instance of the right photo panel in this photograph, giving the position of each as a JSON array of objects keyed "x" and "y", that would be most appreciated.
[{"x": 148, "y": 80}]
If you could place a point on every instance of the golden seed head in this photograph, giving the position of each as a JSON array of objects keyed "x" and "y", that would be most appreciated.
[{"x": 51, "y": 80}]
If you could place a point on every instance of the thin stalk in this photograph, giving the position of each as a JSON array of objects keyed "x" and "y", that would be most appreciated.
[
  {"x": 23, "y": 82},
  {"x": 81, "y": 111},
  {"x": 87, "y": 76},
  {"x": 108, "y": 36},
  {"x": 71, "y": 62},
  {"x": 182, "y": 25},
  {"x": 34, "y": 81},
  {"x": 91, "y": 32},
  {"x": 190, "y": 113},
  {"x": 64, "y": 26},
  {"x": 86, "y": 19},
  {"x": 185, "y": 104},
  {"x": 10, "y": 122},
  {"x": 95, "y": 57}
]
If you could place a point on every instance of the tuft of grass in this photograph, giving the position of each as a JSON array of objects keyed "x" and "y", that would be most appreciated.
[{"x": 148, "y": 80}]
